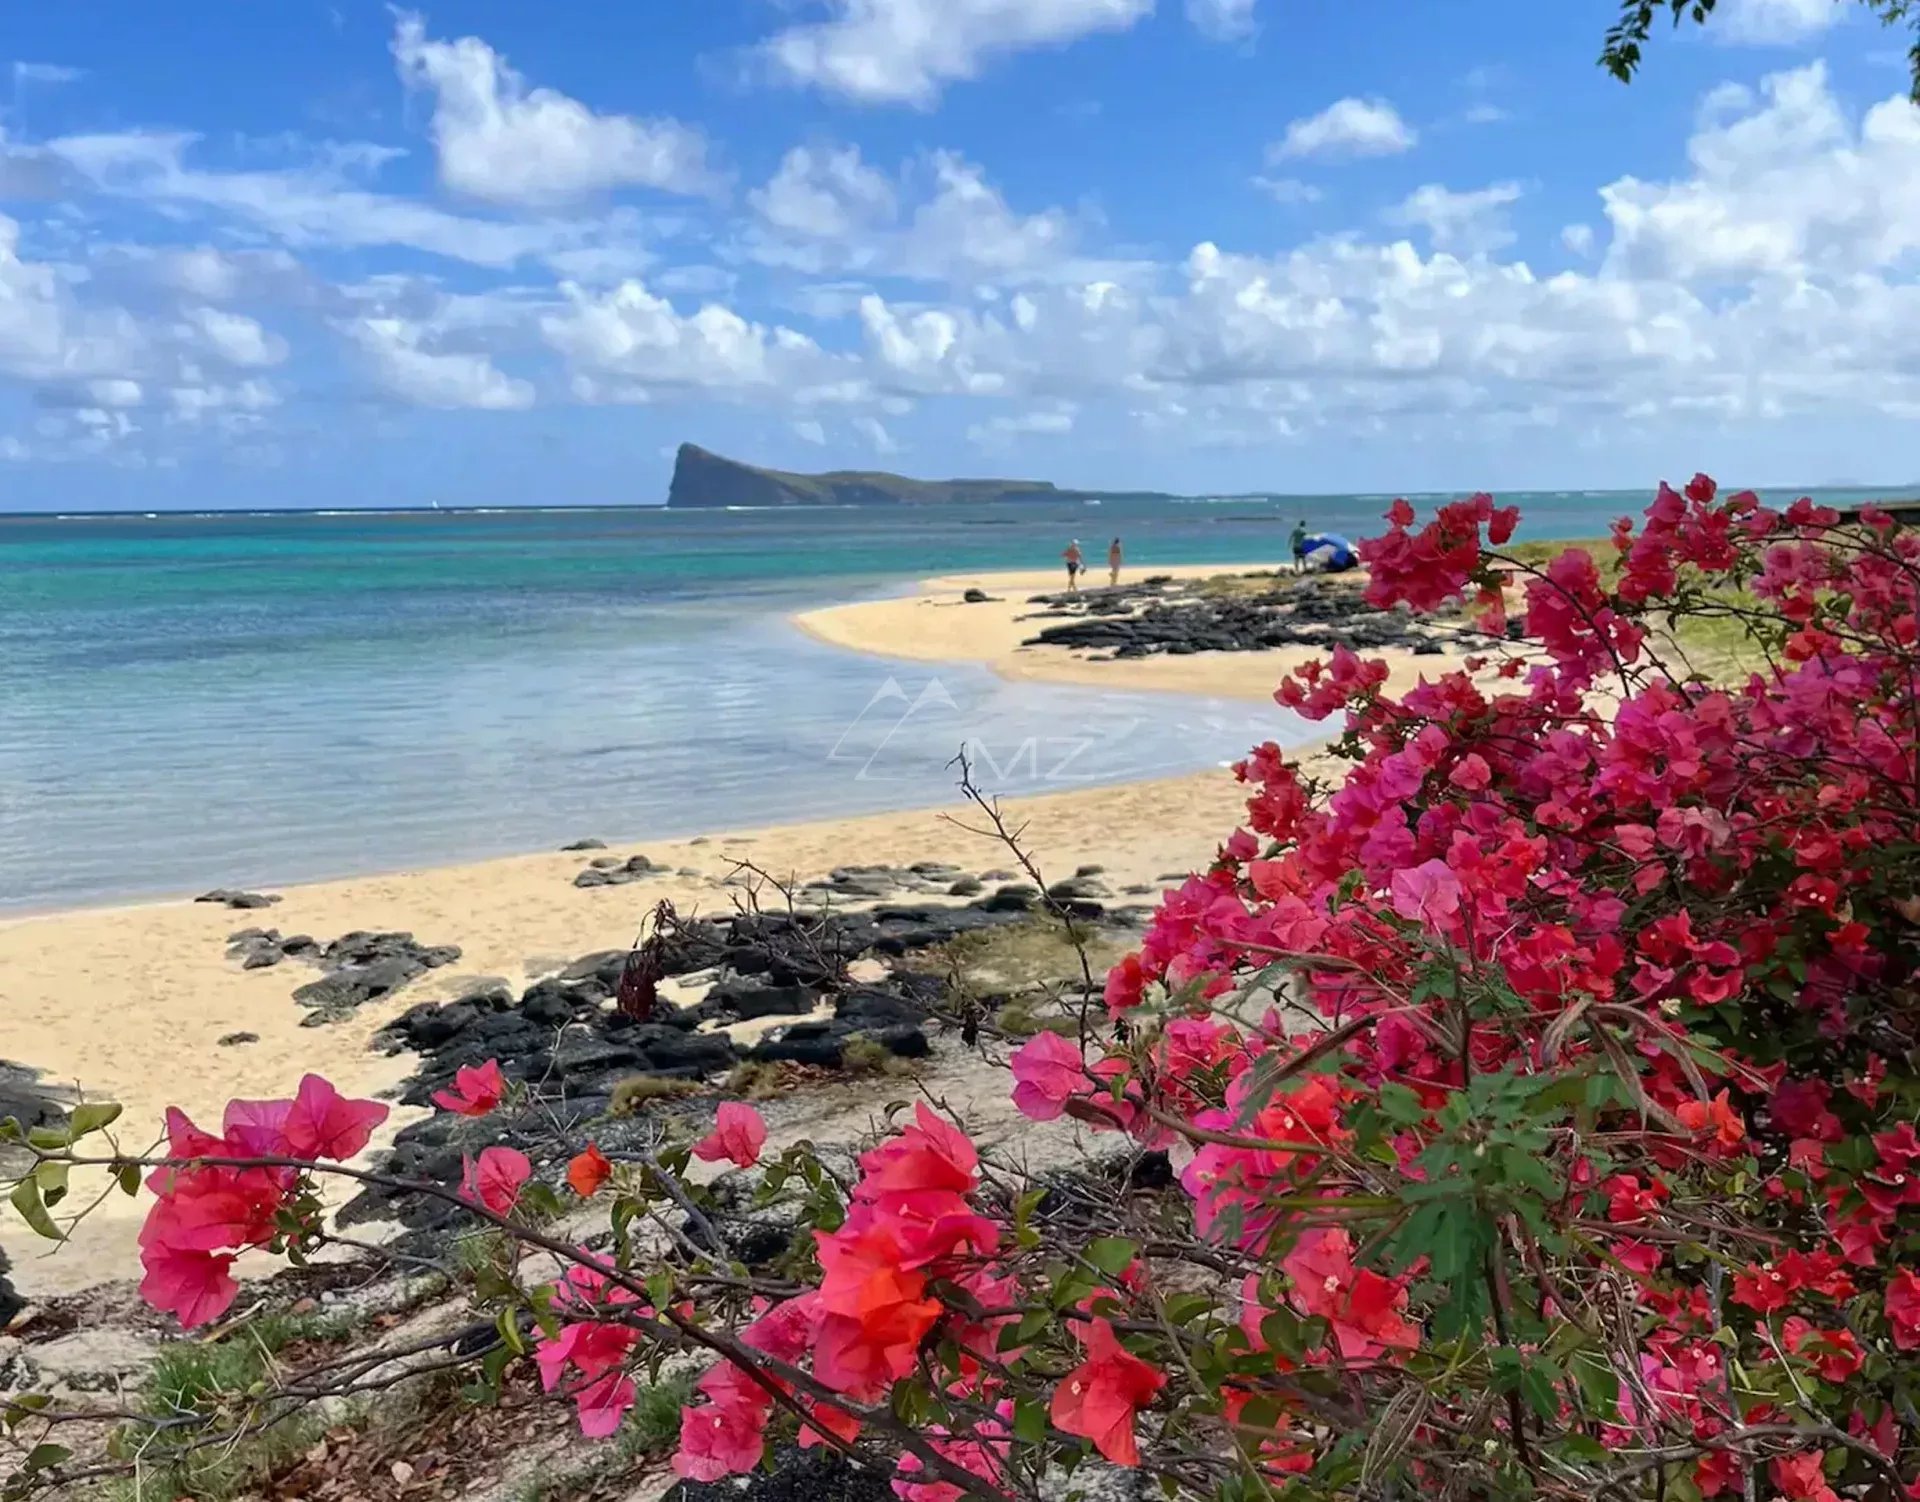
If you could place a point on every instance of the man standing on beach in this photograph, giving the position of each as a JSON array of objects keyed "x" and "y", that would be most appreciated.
[
  {"x": 1299, "y": 544},
  {"x": 1114, "y": 560},
  {"x": 1076, "y": 560}
]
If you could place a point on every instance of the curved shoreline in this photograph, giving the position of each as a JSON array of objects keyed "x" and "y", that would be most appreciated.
[{"x": 934, "y": 624}]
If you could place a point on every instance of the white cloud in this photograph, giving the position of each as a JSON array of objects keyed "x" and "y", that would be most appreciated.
[
  {"x": 47, "y": 73},
  {"x": 1782, "y": 185},
  {"x": 1224, "y": 20},
  {"x": 1773, "y": 23},
  {"x": 1346, "y": 128},
  {"x": 504, "y": 143},
  {"x": 907, "y": 51},
  {"x": 825, "y": 193},
  {"x": 810, "y": 431},
  {"x": 392, "y": 348},
  {"x": 1484, "y": 112},
  {"x": 234, "y": 337},
  {"x": 114, "y": 392},
  {"x": 1578, "y": 238},
  {"x": 630, "y": 345},
  {"x": 317, "y": 204},
  {"x": 47, "y": 335},
  {"x": 1471, "y": 222},
  {"x": 876, "y": 434},
  {"x": 996, "y": 432},
  {"x": 827, "y": 211},
  {"x": 1290, "y": 191}
]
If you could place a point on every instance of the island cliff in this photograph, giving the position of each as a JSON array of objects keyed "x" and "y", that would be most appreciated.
[{"x": 704, "y": 479}]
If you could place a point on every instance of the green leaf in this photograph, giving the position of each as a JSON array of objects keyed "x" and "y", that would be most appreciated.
[
  {"x": 40, "y": 1457},
  {"x": 91, "y": 1116},
  {"x": 508, "y": 1324},
  {"x": 25, "y": 1200},
  {"x": 22, "y": 1406},
  {"x": 51, "y": 1176},
  {"x": 1401, "y": 1105},
  {"x": 1113, "y": 1255},
  {"x": 129, "y": 1176},
  {"x": 1541, "y": 1395},
  {"x": 1029, "y": 1422}
]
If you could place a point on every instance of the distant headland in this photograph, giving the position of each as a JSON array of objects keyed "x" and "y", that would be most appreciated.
[{"x": 703, "y": 479}]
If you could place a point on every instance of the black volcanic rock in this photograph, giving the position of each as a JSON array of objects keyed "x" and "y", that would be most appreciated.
[{"x": 704, "y": 479}]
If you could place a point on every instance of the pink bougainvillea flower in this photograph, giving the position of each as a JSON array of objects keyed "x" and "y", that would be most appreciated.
[
  {"x": 257, "y": 1128},
  {"x": 1048, "y": 1071},
  {"x": 322, "y": 1123},
  {"x": 198, "y": 1287},
  {"x": 719, "y": 1440},
  {"x": 602, "y": 1403},
  {"x": 931, "y": 1154},
  {"x": 1427, "y": 893},
  {"x": 477, "y": 1089},
  {"x": 1099, "y": 1399},
  {"x": 1800, "y": 1477},
  {"x": 738, "y": 1135},
  {"x": 496, "y": 1178}
]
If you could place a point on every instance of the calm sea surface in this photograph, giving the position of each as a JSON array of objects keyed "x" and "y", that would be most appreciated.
[{"x": 248, "y": 699}]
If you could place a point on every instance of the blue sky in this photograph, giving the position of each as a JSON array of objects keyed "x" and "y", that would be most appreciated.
[{"x": 345, "y": 254}]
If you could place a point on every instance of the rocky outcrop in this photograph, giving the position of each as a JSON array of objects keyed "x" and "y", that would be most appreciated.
[{"x": 702, "y": 479}]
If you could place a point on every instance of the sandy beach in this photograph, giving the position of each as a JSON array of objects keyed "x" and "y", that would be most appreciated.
[
  {"x": 936, "y": 623},
  {"x": 131, "y": 1003}
]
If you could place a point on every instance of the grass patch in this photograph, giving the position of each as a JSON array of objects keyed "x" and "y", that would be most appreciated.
[
  {"x": 1025, "y": 956},
  {"x": 865, "y": 1056},
  {"x": 634, "y": 1093},
  {"x": 206, "y": 1437},
  {"x": 758, "y": 1079}
]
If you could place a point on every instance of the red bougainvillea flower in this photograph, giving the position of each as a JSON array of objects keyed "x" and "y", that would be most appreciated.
[
  {"x": 1903, "y": 1308},
  {"x": 1098, "y": 1399},
  {"x": 588, "y": 1171},
  {"x": 1365, "y": 1309},
  {"x": 495, "y": 1180},
  {"x": 738, "y": 1135},
  {"x": 1716, "y": 1116},
  {"x": 1048, "y": 1071},
  {"x": 1800, "y": 1478},
  {"x": 477, "y": 1089},
  {"x": 323, "y": 1124},
  {"x": 602, "y": 1404},
  {"x": 874, "y": 1310}
]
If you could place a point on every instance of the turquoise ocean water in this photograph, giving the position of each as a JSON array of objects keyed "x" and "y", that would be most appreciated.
[{"x": 245, "y": 699}]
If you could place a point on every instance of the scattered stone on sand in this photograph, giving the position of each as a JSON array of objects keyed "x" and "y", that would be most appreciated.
[
  {"x": 243, "y": 900},
  {"x": 610, "y": 871},
  {"x": 978, "y": 597},
  {"x": 234, "y": 1040},
  {"x": 1162, "y": 616},
  {"x": 584, "y": 845},
  {"x": 364, "y": 966}
]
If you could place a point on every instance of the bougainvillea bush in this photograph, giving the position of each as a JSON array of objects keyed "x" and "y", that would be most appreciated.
[{"x": 1539, "y": 1098}]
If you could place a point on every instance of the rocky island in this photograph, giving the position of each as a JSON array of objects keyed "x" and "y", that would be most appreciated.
[{"x": 703, "y": 479}]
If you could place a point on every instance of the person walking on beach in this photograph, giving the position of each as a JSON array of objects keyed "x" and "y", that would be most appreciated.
[
  {"x": 1076, "y": 560},
  {"x": 1114, "y": 559},
  {"x": 1299, "y": 544}
]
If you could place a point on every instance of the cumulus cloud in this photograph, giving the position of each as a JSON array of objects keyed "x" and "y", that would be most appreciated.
[
  {"x": 502, "y": 142},
  {"x": 627, "y": 344},
  {"x": 46, "y": 73},
  {"x": 400, "y": 364},
  {"x": 234, "y": 337},
  {"x": 825, "y": 193},
  {"x": 1346, "y": 128},
  {"x": 908, "y": 51},
  {"x": 1224, "y": 20},
  {"x": 1471, "y": 222},
  {"x": 827, "y": 211},
  {"x": 1773, "y": 23}
]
